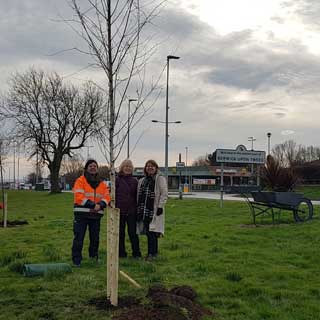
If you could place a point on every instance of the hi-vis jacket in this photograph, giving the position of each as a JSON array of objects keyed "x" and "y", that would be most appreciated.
[{"x": 85, "y": 198}]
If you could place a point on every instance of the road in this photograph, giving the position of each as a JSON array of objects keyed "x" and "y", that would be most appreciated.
[{"x": 216, "y": 196}]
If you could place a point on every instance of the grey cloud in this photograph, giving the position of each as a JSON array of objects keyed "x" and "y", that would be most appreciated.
[
  {"x": 309, "y": 11},
  {"x": 278, "y": 19},
  {"x": 243, "y": 76},
  {"x": 280, "y": 114},
  {"x": 34, "y": 30},
  {"x": 237, "y": 60},
  {"x": 212, "y": 70}
]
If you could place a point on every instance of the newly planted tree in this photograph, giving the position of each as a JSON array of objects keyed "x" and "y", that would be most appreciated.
[{"x": 118, "y": 45}]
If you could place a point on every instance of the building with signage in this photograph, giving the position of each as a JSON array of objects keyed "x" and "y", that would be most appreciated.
[
  {"x": 205, "y": 178},
  {"x": 236, "y": 167}
]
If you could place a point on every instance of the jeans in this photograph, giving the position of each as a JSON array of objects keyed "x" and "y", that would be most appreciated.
[
  {"x": 152, "y": 241},
  {"x": 129, "y": 220},
  {"x": 80, "y": 225}
]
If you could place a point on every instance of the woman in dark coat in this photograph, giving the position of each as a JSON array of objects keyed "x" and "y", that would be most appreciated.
[{"x": 126, "y": 201}]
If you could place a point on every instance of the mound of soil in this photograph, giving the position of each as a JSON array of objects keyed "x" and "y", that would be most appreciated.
[
  {"x": 177, "y": 303},
  {"x": 14, "y": 223}
]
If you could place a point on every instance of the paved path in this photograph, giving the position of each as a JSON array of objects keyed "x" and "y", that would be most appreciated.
[
  {"x": 216, "y": 196},
  {"x": 207, "y": 195}
]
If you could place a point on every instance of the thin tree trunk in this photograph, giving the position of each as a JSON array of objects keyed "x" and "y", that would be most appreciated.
[{"x": 113, "y": 215}]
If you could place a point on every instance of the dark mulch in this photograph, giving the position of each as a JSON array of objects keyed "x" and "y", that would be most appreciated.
[
  {"x": 177, "y": 303},
  {"x": 14, "y": 223}
]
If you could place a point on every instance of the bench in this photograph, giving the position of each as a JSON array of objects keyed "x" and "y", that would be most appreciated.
[{"x": 264, "y": 202}]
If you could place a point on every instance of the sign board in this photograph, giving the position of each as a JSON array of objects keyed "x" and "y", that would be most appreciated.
[
  {"x": 227, "y": 171},
  {"x": 204, "y": 181},
  {"x": 180, "y": 164},
  {"x": 240, "y": 156}
]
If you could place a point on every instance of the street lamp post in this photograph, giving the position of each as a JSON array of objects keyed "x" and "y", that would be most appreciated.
[
  {"x": 128, "y": 129},
  {"x": 37, "y": 166},
  {"x": 186, "y": 168},
  {"x": 88, "y": 151},
  {"x": 167, "y": 136},
  {"x": 186, "y": 156},
  {"x": 14, "y": 165},
  {"x": 252, "y": 139},
  {"x": 269, "y": 136},
  {"x": 170, "y": 57}
]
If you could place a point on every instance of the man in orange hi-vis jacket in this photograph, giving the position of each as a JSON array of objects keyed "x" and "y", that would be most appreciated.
[{"x": 91, "y": 197}]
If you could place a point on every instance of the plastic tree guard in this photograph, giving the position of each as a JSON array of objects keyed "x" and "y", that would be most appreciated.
[{"x": 32, "y": 270}]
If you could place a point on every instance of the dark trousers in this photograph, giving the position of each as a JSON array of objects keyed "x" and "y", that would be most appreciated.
[
  {"x": 80, "y": 225},
  {"x": 129, "y": 220},
  {"x": 152, "y": 241}
]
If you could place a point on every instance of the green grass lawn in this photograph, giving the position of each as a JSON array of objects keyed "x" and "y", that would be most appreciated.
[
  {"x": 239, "y": 271},
  {"x": 312, "y": 192}
]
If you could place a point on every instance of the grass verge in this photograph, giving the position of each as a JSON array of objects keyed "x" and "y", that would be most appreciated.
[{"x": 239, "y": 271}]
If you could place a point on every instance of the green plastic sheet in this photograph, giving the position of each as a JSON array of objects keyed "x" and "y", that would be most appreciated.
[{"x": 33, "y": 270}]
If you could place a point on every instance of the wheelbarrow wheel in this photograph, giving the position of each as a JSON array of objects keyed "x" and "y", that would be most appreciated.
[{"x": 304, "y": 211}]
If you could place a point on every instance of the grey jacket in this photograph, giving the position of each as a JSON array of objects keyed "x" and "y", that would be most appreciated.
[{"x": 160, "y": 199}]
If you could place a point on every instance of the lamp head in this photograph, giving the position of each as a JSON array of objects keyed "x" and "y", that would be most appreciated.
[{"x": 172, "y": 57}]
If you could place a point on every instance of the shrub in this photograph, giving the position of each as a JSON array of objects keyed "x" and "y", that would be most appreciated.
[{"x": 277, "y": 178}]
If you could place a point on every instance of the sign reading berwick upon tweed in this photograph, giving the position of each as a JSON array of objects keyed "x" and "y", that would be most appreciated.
[{"x": 240, "y": 155}]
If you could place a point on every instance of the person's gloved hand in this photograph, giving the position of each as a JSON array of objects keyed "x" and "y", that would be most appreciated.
[{"x": 159, "y": 211}]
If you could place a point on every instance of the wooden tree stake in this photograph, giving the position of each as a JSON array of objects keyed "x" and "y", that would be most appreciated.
[
  {"x": 132, "y": 281},
  {"x": 113, "y": 220}
]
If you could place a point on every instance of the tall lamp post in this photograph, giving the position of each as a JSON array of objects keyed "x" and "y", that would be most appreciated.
[
  {"x": 14, "y": 165},
  {"x": 88, "y": 151},
  {"x": 167, "y": 136},
  {"x": 252, "y": 139},
  {"x": 269, "y": 136},
  {"x": 170, "y": 57},
  {"x": 186, "y": 168},
  {"x": 186, "y": 156},
  {"x": 128, "y": 129}
]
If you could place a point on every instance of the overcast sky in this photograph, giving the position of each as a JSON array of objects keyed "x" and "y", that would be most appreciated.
[{"x": 247, "y": 67}]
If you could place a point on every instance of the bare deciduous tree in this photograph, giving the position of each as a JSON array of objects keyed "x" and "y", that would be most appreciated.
[
  {"x": 72, "y": 168},
  {"x": 289, "y": 153},
  {"x": 114, "y": 33},
  {"x": 201, "y": 161},
  {"x": 53, "y": 118}
]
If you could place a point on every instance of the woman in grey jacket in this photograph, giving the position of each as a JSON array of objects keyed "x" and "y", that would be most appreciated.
[{"x": 152, "y": 196}]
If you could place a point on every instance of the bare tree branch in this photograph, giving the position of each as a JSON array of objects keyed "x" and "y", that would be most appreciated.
[{"x": 55, "y": 119}]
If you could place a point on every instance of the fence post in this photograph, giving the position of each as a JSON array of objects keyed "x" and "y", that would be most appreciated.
[{"x": 5, "y": 200}]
